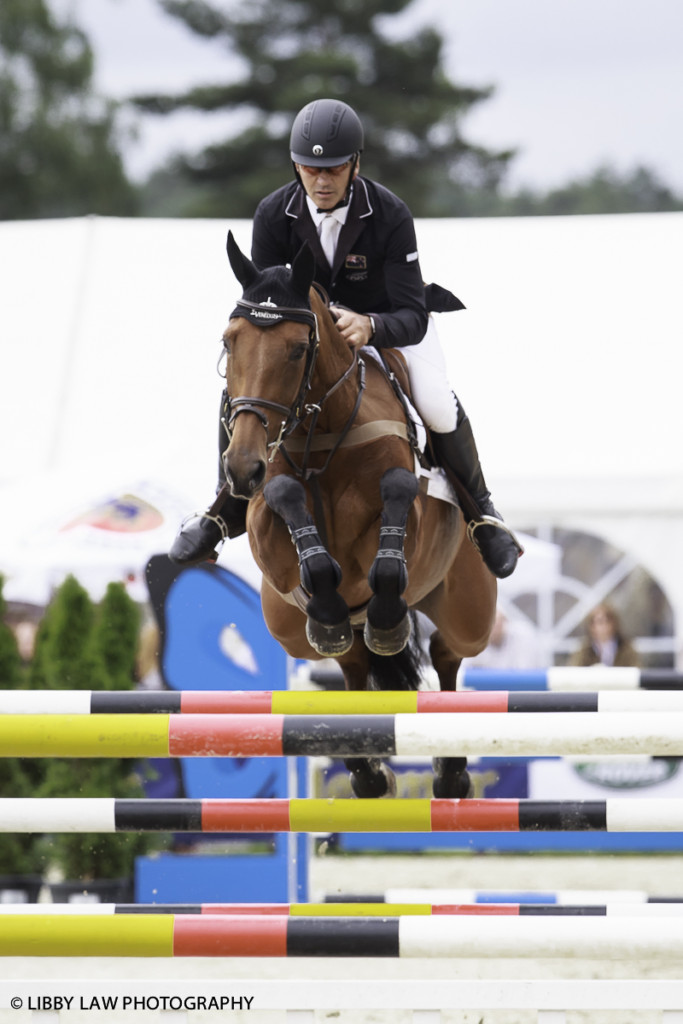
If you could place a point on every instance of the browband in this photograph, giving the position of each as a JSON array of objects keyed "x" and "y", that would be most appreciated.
[{"x": 268, "y": 314}]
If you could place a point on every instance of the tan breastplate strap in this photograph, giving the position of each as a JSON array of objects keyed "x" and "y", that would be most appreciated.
[{"x": 356, "y": 436}]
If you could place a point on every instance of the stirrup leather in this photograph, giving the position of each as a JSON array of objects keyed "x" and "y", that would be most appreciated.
[{"x": 474, "y": 525}]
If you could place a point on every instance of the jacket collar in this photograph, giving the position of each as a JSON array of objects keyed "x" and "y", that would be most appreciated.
[{"x": 360, "y": 208}]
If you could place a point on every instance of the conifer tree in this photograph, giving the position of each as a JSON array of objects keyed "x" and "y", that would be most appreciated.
[
  {"x": 20, "y": 854},
  {"x": 116, "y": 636},
  {"x": 280, "y": 54},
  {"x": 92, "y": 648},
  {"x": 10, "y": 660},
  {"x": 72, "y": 661},
  {"x": 38, "y": 667}
]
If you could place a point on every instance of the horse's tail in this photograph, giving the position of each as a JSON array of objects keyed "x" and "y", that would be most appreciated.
[{"x": 402, "y": 671}]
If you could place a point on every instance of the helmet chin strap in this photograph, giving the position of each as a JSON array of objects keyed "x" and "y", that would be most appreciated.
[
  {"x": 342, "y": 202},
  {"x": 349, "y": 184}
]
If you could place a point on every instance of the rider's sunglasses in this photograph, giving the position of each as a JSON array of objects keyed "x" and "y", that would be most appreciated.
[{"x": 334, "y": 171}]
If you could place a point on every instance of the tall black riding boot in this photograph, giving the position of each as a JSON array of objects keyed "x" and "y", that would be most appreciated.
[
  {"x": 457, "y": 454},
  {"x": 226, "y": 517}
]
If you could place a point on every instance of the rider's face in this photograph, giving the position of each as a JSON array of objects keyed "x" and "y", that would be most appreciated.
[{"x": 326, "y": 186}]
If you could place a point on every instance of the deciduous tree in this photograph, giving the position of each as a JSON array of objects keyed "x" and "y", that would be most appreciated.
[{"x": 59, "y": 141}]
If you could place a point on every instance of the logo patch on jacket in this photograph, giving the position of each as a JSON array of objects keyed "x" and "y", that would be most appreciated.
[{"x": 356, "y": 262}]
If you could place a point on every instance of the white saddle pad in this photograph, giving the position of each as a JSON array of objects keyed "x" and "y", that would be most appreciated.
[{"x": 438, "y": 485}]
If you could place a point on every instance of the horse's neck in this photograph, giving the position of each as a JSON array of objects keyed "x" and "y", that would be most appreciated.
[{"x": 334, "y": 359}]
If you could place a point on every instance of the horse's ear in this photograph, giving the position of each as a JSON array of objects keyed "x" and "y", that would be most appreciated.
[
  {"x": 303, "y": 269},
  {"x": 243, "y": 269}
]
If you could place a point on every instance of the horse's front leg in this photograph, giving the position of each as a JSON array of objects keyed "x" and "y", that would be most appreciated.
[
  {"x": 387, "y": 628},
  {"x": 328, "y": 628}
]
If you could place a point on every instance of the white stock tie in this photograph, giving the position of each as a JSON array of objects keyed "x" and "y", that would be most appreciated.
[{"x": 329, "y": 232}]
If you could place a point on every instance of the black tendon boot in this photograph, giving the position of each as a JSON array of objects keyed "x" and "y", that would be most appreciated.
[
  {"x": 457, "y": 454},
  {"x": 226, "y": 517}
]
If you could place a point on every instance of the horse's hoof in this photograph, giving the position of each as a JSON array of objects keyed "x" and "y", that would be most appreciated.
[
  {"x": 329, "y": 641},
  {"x": 381, "y": 784},
  {"x": 450, "y": 783},
  {"x": 458, "y": 788},
  {"x": 387, "y": 641}
]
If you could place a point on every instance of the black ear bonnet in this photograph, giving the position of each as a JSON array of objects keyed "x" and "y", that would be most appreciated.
[{"x": 276, "y": 294}]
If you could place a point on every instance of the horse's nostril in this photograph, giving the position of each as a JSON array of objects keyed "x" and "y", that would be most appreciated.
[
  {"x": 258, "y": 476},
  {"x": 246, "y": 480}
]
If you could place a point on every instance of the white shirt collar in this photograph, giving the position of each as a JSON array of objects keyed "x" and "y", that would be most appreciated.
[{"x": 340, "y": 214}]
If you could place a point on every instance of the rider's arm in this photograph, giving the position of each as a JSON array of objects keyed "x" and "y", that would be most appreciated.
[{"x": 403, "y": 319}]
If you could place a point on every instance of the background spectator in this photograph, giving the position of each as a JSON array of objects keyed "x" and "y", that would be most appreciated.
[{"x": 605, "y": 643}]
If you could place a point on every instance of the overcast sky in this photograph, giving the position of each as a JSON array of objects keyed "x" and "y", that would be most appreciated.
[{"x": 578, "y": 82}]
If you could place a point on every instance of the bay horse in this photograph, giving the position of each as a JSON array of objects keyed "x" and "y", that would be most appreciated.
[{"x": 348, "y": 544}]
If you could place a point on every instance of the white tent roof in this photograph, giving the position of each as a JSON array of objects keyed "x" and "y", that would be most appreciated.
[
  {"x": 566, "y": 359},
  {"x": 111, "y": 330},
  {"x": 570, "y": 350}
]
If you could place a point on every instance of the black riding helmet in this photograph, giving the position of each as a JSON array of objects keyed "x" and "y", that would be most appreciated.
[{"x": 326, "y": 133}]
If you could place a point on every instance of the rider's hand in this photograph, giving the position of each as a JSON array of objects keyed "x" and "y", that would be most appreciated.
[{"x": 355, "y": 328}]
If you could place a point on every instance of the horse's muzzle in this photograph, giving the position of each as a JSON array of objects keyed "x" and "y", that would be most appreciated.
[{"x": 246, "y": 476}]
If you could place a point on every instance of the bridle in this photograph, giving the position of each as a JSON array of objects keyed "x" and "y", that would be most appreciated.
[{"x": 295, "y": 414}]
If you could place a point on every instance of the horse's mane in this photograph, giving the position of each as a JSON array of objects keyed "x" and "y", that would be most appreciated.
[{"x": 319, "y": 300}]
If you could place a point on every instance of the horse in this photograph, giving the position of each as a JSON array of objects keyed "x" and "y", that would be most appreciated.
[{"x": 349, "y": 546}]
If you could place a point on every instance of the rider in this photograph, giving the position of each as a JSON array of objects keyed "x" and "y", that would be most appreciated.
[{"x": 363, "y": 238}]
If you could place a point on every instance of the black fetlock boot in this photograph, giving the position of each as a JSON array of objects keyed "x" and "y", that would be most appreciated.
[
  {"x": 201, "y": 532},
  {"x": 457, "y": 454}
]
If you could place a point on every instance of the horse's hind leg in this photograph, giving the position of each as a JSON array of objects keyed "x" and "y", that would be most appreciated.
[
  {"x": 387, "y": 628},
  {"x": 370, "y": 777},
  {"x": 328, "y": 628},
  {"x": 445, "y": 661},
  {"x": 451, "y": 778}
]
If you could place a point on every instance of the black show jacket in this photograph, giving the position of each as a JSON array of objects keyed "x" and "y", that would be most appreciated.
[{"x": 376, "y": 268}]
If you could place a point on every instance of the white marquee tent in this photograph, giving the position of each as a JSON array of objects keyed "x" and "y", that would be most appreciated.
[{"x": 567, "y": 360}]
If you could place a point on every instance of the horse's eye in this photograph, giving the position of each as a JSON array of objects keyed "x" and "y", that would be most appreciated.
[{"x": 297, "y": 353}]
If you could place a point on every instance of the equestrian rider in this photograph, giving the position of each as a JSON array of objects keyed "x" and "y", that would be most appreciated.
[{"x": 363, "y": 238}]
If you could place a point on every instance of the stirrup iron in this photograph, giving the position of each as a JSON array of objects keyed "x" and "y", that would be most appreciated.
[
  {"x": 474, "y": 525},
  {"x": 213, "y": 518}
]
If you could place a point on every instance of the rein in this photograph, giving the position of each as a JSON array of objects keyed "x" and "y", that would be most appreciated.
[
  {"x": 253, "y": 404},
  {"x": 296, "y": 414},
  {"x": 314, "y": 410}
]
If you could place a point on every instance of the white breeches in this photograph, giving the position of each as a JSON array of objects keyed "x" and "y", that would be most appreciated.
[{"x": 432, "y": 394}]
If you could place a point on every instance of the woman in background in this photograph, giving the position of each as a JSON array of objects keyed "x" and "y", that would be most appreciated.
[{"x": 605, "y": 643}]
